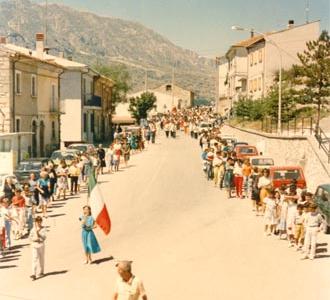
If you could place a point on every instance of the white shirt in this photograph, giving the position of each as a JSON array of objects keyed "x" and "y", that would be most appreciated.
[
  {"x": 131, "y": 290},
  {"x": 313, "y": 219},
  {"x": 263, "y": 181},
  {"x": 37, "y": 241}
]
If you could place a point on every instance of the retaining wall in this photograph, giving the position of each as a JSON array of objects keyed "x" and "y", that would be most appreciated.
[{"x": 287, "y": 151}]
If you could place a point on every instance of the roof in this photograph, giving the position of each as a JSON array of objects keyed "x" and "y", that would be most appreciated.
[
  {"x": 258, "y": 38},
  {"x": 45, "y": 57}
]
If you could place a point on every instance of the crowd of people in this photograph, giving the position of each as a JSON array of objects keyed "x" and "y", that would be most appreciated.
[
  {"x": 289, "y": 212},
  {"x": 25, "y": 205}
]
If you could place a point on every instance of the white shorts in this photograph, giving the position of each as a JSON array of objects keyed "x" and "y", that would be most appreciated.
[{"x": 43, "y": 200}]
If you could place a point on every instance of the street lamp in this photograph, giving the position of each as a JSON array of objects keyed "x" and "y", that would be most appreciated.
[{"x": 279, "y": 118}]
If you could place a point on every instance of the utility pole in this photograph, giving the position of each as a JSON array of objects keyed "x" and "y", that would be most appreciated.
[
  {"x": 173, "y": 79},
  {"x": 307, "y": 11},
  {"x": 146, "y": 80},
  {"x": 46, "y": 22}
]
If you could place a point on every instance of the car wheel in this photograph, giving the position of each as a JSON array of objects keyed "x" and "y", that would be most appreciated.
[{"x": 326, "y": 227}]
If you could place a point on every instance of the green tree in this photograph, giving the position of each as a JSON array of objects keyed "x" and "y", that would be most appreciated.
[
  {"x": 312, "y": 77},
  {"x": 140, "y": 106},
  {"x": 120, "y": 75}
]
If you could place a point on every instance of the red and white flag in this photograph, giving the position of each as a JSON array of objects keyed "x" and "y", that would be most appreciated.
[{"x": 98, "y": 207}]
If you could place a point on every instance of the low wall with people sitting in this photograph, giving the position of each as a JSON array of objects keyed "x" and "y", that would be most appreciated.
[{"x": 286, "y": 151}]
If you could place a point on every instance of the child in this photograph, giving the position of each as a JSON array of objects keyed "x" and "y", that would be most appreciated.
[
  {"x": 313, "y": 223},
  {"x": 299, "y": 227},
  {"x": 90, "y": 243},
  {"x": 18, "y": 203},
  {"x": 282, "y": 213},
  {"x": 38, "y": 237},
  {"x": 270, "y": 213},
  {"x": 292, "y": 209},
  {"x": 2, "y": 233},
  {"x": 6, "y": 213}
]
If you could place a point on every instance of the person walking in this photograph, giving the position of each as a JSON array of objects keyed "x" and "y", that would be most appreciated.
[
  {"x": 62, "y": 179},
  {"x": 38, "y": 237},
  {"x": 128, "y": 286},
  {"x": 101, "y": 158},
  {"x": 74, "y": 173},
  {"x": 126, "y": 152},
  {"x": 43, "y": 187},
  {"x": 89, "y": 240}
]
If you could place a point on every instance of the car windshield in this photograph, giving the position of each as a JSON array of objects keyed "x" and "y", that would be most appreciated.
[
  {"x": 287, "y": 174},
  {"x": 81, "y": 148},
  {"x": 247, "y": 150},
  {"x": 262, "y": 162},
  {"x": 26, "y": 166}
]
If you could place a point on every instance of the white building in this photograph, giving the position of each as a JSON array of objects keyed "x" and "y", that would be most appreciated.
[
  {"x": 253, "y": 63},
  {"x": 166, "y": 100}
]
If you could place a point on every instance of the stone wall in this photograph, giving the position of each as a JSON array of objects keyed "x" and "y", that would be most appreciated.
[{"x": 288, "y": 151}]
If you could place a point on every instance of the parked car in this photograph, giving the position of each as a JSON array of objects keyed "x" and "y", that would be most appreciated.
[
  {"x": 82, "y": 147},
  {"x": 3, "y": 177},
  {"x": 285, "y": 175},
  {"x": 322, "y": 199},
  {"x": 231, "y": 140},
  {"x": 262, "y": 162},
  {"x": 28, "y": 166},
  {"x": 68, "y": 155},
  {"x": 239, "y": 144},
  {"x": 246, "y": 151},
  {"x": 204, "y": 126}
]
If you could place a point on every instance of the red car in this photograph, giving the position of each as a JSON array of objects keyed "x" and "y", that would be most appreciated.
[
  {"x": 245, "y": 151},
  {"x": 285, "y": 175}
]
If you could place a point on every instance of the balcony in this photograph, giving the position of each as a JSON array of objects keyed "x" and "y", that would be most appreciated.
[{"x": 93, "y": 101}]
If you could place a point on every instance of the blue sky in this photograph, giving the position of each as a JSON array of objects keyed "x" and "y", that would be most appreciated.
[{"x": 204, "y": 25}]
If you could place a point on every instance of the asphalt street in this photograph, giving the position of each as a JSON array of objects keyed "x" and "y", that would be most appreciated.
[{"x": 185, "y": 238}]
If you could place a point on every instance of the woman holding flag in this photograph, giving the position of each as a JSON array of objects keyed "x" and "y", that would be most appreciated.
[{"x": 90, "y": 243}]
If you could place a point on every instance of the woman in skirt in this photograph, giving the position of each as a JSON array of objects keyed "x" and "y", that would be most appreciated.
[{"x": 89, "y": 240}]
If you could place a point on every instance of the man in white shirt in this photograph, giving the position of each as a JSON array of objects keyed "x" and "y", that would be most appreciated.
[{"x": 128, "y": 286}]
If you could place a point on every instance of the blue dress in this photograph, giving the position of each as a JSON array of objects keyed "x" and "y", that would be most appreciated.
[{"x": 90, "y": 243}]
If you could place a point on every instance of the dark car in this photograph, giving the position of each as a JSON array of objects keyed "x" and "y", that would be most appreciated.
[
  {"x": 26, "y": 167},
  {"x": 322, "y": 199}
]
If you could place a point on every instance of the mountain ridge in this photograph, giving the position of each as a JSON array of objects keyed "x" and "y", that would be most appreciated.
[{"x": 93, "y": 39}]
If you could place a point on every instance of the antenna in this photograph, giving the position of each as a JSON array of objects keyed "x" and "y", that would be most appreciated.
[
  {"x": 46, "y": 21},
  {"x": 307, "y": 11}
]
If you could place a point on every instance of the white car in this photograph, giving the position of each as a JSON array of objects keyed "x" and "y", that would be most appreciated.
[
  {"x": 204, "y": 126},
  {"x": 82, "y": 147},
  {"x": 262, "y": 162}
]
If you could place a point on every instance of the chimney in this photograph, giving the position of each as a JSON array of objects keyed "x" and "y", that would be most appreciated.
[
  {"x": 70, "y": 57},
  {"x": 40, "y": 47},
  {"x": 61, "y": 54},
  {"x": 290, "y": 24},
  {"x": 3, "y": 40},
  {"x": 252, "y": 33}
]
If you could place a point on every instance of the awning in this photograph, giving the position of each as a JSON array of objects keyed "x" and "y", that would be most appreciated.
[{"x": 122, "y": 120}]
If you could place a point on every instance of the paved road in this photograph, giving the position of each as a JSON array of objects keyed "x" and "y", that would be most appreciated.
[{"x": 186, "y": 239}]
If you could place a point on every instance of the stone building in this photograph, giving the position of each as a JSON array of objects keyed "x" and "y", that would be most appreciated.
[
  {"x": 253, "y": 63},
  {"x": 29, "y": 97}
]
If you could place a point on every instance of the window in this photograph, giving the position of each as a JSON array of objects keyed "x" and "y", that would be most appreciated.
[
  {"x": 168, "y": 88},
  {"x": 255, "y": 85},
  {"x": 53, "y": 98},
  {"x": 18, "y": 125},
  {"x": 85, "y": 122},
  {"x": 18, "y": 82},
  {"x": 259, "y": 83},
  {"x": 251, "y": 59},
  {"x": 255, "y": 59},
  {"x": 260, "y": 55},
  {"x": 250, "y": 86},
  {"x": 33, "y": 85},
  {"x": 92, "y": 122},
  {"x": 53, "y": 130}
]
